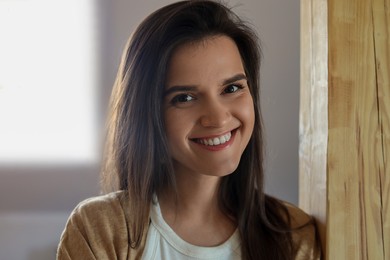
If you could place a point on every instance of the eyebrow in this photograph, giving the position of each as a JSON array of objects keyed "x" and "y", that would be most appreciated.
[
  {"x": 227, "y": 81},
  {"x": 235, "y": 78},
  {"x": 174, "y": 89}
]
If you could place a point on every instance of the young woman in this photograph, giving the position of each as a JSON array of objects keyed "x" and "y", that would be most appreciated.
[{"x": 185, "y": 151}]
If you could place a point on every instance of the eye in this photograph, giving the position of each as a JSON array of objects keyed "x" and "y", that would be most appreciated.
[
  {"x": 182, "y": 98},
  {"x": 232, "y": 88}
]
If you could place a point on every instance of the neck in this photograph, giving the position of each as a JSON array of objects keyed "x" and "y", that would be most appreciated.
[
  {"x": 195, "y": 215},
  {"x": 196, "y": 194}
]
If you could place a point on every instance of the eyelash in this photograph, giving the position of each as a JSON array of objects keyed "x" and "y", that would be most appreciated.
[
  {"x": 177, "y": 99},
  {"x": 238, "y": 86},
  {"x": 188, "y": 97}
]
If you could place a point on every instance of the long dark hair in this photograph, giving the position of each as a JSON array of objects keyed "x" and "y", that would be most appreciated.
[{"x": 137, "y": 158}]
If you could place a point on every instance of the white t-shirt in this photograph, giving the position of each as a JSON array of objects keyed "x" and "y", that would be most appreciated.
[{"x": 163, "y": 243}]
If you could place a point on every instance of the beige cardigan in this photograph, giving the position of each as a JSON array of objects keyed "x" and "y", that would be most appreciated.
[{"x": 98, "y": 229}]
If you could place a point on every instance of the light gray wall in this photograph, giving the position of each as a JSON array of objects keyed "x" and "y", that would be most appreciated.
[{"x": 35, "y": 201}]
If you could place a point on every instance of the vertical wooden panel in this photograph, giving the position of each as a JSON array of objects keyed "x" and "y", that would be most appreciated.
[
  {"x": 358, "y": 176},
  {"x": 313, "y": 126},
  {"x": 381, "y": 24},
  {"x": 346, "y": 183}
]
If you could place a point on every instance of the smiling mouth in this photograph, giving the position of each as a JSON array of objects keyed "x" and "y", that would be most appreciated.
[{"x": 214, "y": 141}]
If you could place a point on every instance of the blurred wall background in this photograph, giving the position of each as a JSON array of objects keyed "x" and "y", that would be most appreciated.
[{"x": 35, "y": 201}]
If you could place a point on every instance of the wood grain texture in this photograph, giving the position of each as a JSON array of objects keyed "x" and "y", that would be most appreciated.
[
  {"x": 381, "y": 24},
  {"x": 358, "y": 144},
  {"x": 313, "y": 125}
]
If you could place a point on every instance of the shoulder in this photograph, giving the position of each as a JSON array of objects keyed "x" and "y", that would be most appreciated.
[
  {"x": 107, "y": 204},
  {"x": 304, "y": 233},
  {"x": 96, "y": 227},
  {"x": 297, "y": 215},
  {"x": 104, "y": 213}
]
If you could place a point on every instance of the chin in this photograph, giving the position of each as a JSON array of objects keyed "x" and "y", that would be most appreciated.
[{"x": 225, "y": 171}]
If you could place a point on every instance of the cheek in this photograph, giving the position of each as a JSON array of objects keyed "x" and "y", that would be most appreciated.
[
  {"x": 246, "y": 113},
  {"x": 177, "y": 124},
  {"x": 247, "y": 118},
  {"x": 171, "y": 128}
]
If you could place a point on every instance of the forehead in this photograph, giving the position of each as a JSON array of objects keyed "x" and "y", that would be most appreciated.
[{"x": 212, "y": 58}]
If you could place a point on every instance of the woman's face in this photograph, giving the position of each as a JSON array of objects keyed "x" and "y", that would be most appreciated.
[{"x": 208, "y": 107}]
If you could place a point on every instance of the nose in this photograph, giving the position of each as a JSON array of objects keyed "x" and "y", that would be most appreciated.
[{"x": 215, "y": 114}]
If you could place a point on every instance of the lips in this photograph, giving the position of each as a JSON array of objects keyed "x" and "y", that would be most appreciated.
[{"x": 215, "y": 141}]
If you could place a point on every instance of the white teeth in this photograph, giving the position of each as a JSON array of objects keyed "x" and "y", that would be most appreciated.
[{"x": 216, "y": 140}]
